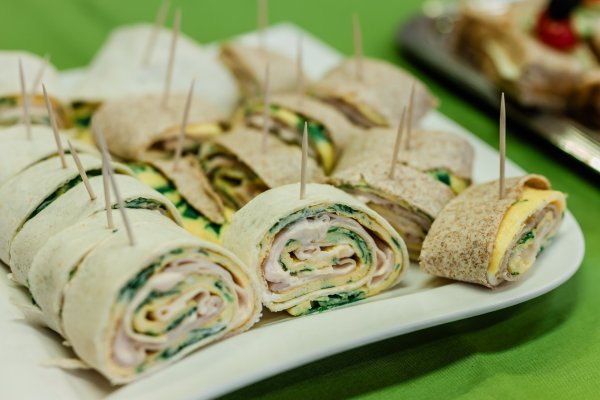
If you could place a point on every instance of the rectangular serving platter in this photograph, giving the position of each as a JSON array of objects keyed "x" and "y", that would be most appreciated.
[{"x": 280, "y": 342}]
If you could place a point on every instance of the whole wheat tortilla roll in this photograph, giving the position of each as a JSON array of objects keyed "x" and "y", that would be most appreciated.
[
  {"x": 202, "y": 211},
  {"x": 73, "y": 206},
  {"x": 130, "y": 310},
  {"x": 240, "y": 169},
  {"x": 482, "y": 239},
  {"x": 443, "y": 155},
  {"x": 11, "y": 109},
  {"x": 57, "y": 260},
  {"x": 248, "y": 64},
  {"x": 31, "y": 191},
  {"x": 17, "y": 152},
  {"x": 328, "y": 131},
  {"x": 121, "y": 68},
  {"x": 495, "y": 41},
  {"x": 138, "y": 126},
  {"x": 376, "y": 99},
  {"x": 315, "y": 253},
  {"x": 409, "y": 201}
]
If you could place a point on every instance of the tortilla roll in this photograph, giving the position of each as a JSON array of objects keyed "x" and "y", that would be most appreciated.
[
  {"x": 73, "y": 206},
  {"x": 137, "y": 127},
  {"x": 499, "y": 41},
  {"x": 409, "y": 201},
  {"x": 120, "y": 69},
  {"x": 38, "y": 187},
  {"x": 11, "y": 109},
  {"x": 240, "y": 170},
  {"x": 312, "y": 254},
  {"x": 374, "y": 100},
  {"x": 247, "y": 64},
  {"x": 18, "y": 153},
  {"x": 442, "y": 155},
  {"x": 328, "y": 131},
  {"x": 202, "y": 211},
  {"x": 56, "y": 261},
  {"x": 481, "y": 239},
  {"x": 130, "y": 310}
]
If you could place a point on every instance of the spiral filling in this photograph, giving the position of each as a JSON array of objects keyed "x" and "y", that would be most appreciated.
[
  {"x": 411, "y": 224},
  {"x": 185, "y": 299},
  {"x": 289, "y": 126},
  {"x": 233, "y": 180},
  {"x": 526, "y": 228},
  {"x": 325, "y": 258}
]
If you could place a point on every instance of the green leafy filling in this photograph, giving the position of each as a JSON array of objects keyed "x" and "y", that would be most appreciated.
[
  {"x": 60, "y": 191},
  {"x": 195, "y": 336},
  {"x": 145, "y": 204},
  {"x": 526, "y": 237},
  {"x": 8, "y": 102},
  {"x": 334, "y": 300},
  {"x": 441, "y": 175},
  {"x": 223, "y": 289}
]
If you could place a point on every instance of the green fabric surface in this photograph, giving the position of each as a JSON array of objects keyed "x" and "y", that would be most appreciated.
[{"x": 546, "y": 348}]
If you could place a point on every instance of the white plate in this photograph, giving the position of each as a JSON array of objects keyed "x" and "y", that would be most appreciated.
[{"x": 280, "y": 342}]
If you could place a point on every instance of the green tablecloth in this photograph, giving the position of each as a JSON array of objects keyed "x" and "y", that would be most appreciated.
[{"x": 546, "y": 348}]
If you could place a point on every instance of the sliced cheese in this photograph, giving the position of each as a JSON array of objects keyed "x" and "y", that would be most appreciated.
[{"x": 513, "y": 223}]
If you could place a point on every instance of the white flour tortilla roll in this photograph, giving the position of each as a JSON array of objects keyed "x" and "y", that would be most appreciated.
[
  {"x": 137, "y": 126},
  {"x": 248, "y": 64},
  {"x": 409, "y": 201},
  {"x": 57, "y": 260},
  {"x": 377, "y": 98},
  {"x": 309, "y": 255},
  {"x": 31, "y": 191},
  {"x": 11, "y": 109},
  {"x": 130, "y": 310},
  {"x": 481, "y": 239},
  {"x": 239, "y": 169},
  {"x": 18, "y": 153},
  {"x": 443, "y": 155},
  {"x": 118, "y": 70},
  {"x": 74, "y": 206}
]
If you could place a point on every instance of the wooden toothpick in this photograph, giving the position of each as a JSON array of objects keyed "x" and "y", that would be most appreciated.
[
  {"x": 110, "y": 223},
  {"x": 39, "y": 75},
  {"x": 358, "y": 51},
  {"x": 184, "y": 122},
  {"x": 401, "y": 132},
  {"x": 262, "y": 20},
  {"x": 159, "y": 21},
  {"x": 108, "y": 170},
  {"x": 409, "y": 125},
  {"x": 502, "y": 145},
  {"x": 105, "y": 177},
  {"x": 25, "y": 99},
  {"x": 52, "y": 118},
  {"x": 266, "y": 110},
  {"x": 120, "y": 202},
  {"x": 300, "y": 69},
  {"x": 170, "y": 62},
  {"x": 304, "y": 161},
  {"x": 82, "y": 172}
]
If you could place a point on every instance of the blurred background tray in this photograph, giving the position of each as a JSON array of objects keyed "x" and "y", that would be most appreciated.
[{"x": 426, "y": 40}]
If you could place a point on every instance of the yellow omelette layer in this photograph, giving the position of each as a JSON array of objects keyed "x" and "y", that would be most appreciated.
[{"x": 513, "y": 223}]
